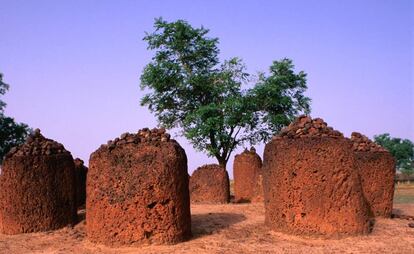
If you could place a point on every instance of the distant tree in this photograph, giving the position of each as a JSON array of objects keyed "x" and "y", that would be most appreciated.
[
  {"x": 3, "y": 89},
  {"x": 11, "y": 133},
  {"x": 191, "y": 90},
  {"x": 401, "y": 149},
  {"x": 407, "y": 167}
]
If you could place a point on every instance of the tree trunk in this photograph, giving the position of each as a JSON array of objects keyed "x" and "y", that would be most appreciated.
[{"x": 222, "y": 162}]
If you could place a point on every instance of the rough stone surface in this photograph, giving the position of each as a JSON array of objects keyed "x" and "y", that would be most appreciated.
[
  {"x": 81, "y": 171},
  {"x": 37, "y": 186},
  {"x": 376, "y": 167},
  {"x": 246, "y": 171},
  {"x": 311, "y": 186},
  {"x": 137, "y": 191},
  {"x": 305, "y": 126},
  {"x": 258, "y": 195},
  {"x": 361, "y": 143},
  {"x": 210, "y": 184}
]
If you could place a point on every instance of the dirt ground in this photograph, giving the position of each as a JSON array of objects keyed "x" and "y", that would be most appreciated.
[{"x": 234, "y": 228}]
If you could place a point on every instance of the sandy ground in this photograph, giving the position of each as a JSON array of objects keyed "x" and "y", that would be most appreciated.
[{"x": 232, "y": 228}]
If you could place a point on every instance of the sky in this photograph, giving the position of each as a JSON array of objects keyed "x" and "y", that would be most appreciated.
[{"x": 74, "y": 66}]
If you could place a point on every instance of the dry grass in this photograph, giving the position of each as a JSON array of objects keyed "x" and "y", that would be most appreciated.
[{"x": 404, "y": 193}]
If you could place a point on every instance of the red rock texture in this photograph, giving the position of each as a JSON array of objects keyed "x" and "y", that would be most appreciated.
[
  {"x": 258, "y": 195},
  {"x": 81, "y": 171},
  {"x": 305, "y": 126},
  {"x": 246, "y": 171},
  {"x": 137, "y": 191},
  {"x": 376, "y": 167},
  {"x": 311, "y": 186},
  {"x": 37, "y": 186},
  {"x": 361, "y": 143},
  {"x": 210, "y": 184}
]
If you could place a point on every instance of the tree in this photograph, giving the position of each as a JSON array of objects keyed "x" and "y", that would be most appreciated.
[
  {"x": 3, "y": 89},
  {"x": 401, "y": 149},
  {"x": 11, "y": 133},
  {"x": 190, "y": 89}
]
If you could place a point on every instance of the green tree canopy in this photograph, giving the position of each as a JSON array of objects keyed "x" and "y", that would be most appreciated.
[
  {"x": 401, "y": 149},
  {"x": 190, "y": 89},
  {"x": 11, "y": 133}
]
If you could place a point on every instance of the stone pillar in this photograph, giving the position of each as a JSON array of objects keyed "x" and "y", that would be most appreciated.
[
  {"x": 37, "y": 187},
  {"x": 81, "y": 172},
  {"x": 376, "y": 167},
  {"x": 137, "y": 191},
  {"x": 311, "y": 185},
  {"x": 247, "y": 176},
  {"x": 210, "y": 184}
]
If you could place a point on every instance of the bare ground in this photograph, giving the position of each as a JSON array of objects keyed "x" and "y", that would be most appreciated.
[{"x": 232, "y": 228}]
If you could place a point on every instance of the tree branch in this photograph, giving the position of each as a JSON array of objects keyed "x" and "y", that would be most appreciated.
[
  {"x": 214, "y": 145},
  {"x": 234, "y": 143}
]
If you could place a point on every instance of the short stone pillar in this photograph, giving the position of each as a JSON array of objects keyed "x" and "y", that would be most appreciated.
[
  {"x": 311, "y": 185},
  {"x": 210, "y": 184},
  {"x": 258, "y": 195},
  {"x": 376, "y": 167},
  {"x": 81, "y": 172},
  {"x": 137, "y": 191},
  {"x": 37, "y": 187},
  {"x": 247, "y": 173}
]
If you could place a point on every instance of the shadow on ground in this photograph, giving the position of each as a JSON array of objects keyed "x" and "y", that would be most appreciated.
[{"x": 211, "y": 223}]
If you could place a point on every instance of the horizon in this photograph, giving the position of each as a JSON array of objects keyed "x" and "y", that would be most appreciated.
[{"x": 74, "y": 67}]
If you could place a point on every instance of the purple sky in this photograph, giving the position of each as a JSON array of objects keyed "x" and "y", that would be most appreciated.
[{"x": 74, "y": 66}]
